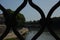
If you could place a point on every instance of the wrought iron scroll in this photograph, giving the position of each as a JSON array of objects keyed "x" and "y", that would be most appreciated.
[
  {"x": 10, "y": 20},
  {"x": 46, "y": 22},
  {"x": 49, "y": 17},
  {"x": 42, "y": 19},
  {"x": 8, "y": 28}
]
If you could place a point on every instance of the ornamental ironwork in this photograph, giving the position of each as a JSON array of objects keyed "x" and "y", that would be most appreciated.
[{"x": 10, "y": 20}]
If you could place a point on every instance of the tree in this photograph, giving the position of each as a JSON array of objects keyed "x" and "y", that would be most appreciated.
[{"x": 20, "y": 18}]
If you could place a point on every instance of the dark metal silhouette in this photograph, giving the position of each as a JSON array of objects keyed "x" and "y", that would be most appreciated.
[
  {"x": 46, "y": 22},
  {"x": 10, "y": 20}
]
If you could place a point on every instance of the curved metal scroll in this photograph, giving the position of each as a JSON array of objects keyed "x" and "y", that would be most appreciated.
[
  {"x": 42, "y": 19},
  {"x": 10, "y": 21},
  {"x": 15, "y": 13},
  {"x": 48, "y": 17},
  {"x": 37, "y": 8},
  {"x": 53, "y": 9},
  {"x": 47, "y": 20},
  {"x": 20, "y": 7},
  {"x": 5, "y": 13}
]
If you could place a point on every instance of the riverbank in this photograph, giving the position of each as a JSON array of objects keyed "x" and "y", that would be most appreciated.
[
  {"x": 11, "y": 34},
  {"x": 31, "y": 33}
]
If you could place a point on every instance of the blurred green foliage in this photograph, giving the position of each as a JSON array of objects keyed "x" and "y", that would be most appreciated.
[{"x": 20, "y": 18}]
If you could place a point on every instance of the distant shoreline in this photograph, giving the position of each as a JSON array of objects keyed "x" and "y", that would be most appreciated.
[{"x": 37, "y": 29}]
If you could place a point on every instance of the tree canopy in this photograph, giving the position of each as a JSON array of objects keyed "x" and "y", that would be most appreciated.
[{"x": 20, "y": 18}]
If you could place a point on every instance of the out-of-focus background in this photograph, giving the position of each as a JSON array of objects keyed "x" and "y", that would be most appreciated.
[{"x": 28, "y": 19}]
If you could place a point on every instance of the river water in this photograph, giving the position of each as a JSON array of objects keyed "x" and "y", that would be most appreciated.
[{"x": 44, "y": 36}]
